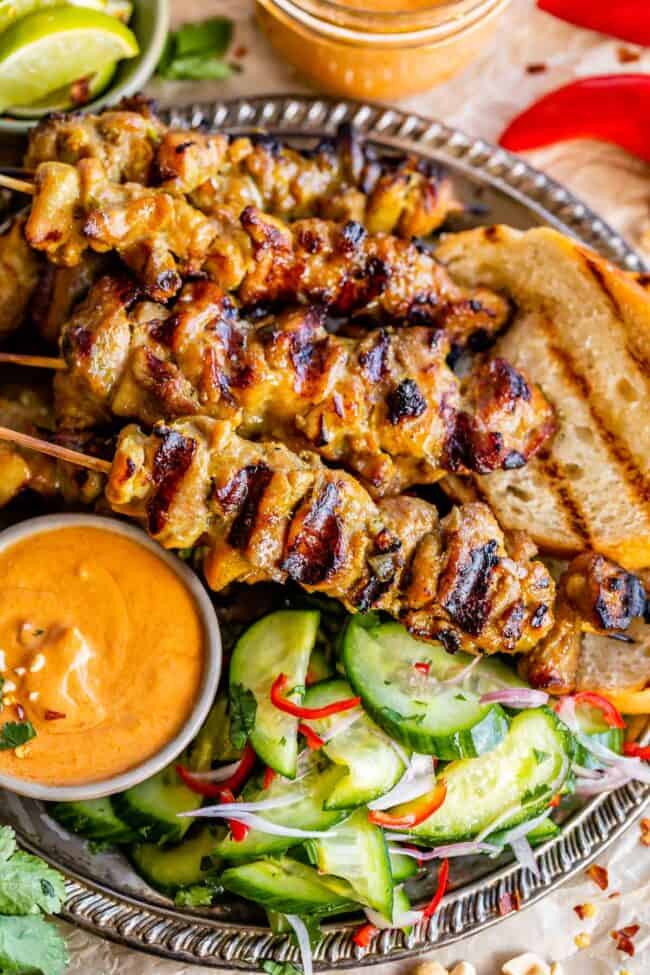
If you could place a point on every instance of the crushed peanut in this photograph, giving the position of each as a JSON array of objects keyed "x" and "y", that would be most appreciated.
[
  {"x": 20, "y": 671},
  {"x": 9, "y": 685},
  {"x": 430, "y": 968},
  {"x": 33, "y": 695},
  {"x": 39, "y": 663},
  {"x": 463, "y": 968},
  {"x": 8, "y": 700},
  {"x": 599, "y": 875},
  {"x": 645, "y": 832},
  {"x": 22, "y": 751},
  {"x": 556, "y": 968},
  {"x": 526, "y": 964},
  {"x": 582, "y": 940}
]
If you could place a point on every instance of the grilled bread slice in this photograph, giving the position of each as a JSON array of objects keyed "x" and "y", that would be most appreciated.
[{"x": 582, "y": 331}]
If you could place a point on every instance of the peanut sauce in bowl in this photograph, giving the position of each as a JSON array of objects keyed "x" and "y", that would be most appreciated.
[{"x": 109, "y": 649}]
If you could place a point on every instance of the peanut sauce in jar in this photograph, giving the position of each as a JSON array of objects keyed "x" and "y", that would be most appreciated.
[
  {"x": 102, "y": 650},
  {"x": 379, "y": 48}
]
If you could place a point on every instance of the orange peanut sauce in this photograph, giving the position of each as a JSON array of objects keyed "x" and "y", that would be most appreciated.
[{"x": 102, "y": 649}]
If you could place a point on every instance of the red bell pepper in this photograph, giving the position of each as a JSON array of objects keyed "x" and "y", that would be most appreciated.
[
  {"x": 213, "y": 790},
  {"x": 289, "y": 707},
  {"x": 634, "y": 750},
  {"x": 611, "y": 715},
  {"x": 627, "y": 19},
  {"x": 314, "y": 741},
  {"x": 614, "y": 108},
  {"x": 269, "y": 777},
  {"x": 422, "y": 809},
  {"x": 434, "y": 903},
  {"x": 364, "y": 935},
  {"x": 238, "y": 830}
]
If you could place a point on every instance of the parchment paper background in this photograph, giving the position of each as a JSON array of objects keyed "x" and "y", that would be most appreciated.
[{"x": 480, "y": 101}]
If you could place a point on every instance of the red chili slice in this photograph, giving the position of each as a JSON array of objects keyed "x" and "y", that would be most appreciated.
[
  {"x": 422, "y": 667},
  {"x": 288, "y": 706},
  {"x": 615, "y": 108},
  {"x": 364, "y": 935},
  {"x": 627, "y": 19},
  {"x": 443, "y": 878},
  {"x": 313, "y": 740},
  {"x": 424, "y": 807},
  {"x": 269, "y": 777},
  {"x": 238, "y": 830},
  {"x": 634, "y": 750},
  {"x": 612, "y": 715},
  {"x": 213, "y": 790},
  {"x": 555, "y": 802}
]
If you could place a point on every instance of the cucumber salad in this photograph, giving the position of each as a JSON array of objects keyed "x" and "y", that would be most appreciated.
[{"x": 342, "y": 754}]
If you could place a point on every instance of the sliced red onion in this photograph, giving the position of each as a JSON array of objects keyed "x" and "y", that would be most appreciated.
[
  {"x": 586, "y": 773},
  {"x": 228, "y": 809},
  {"x": 404, "y": 920},
  {"x": 524, "y": 854},
  {"x": 566, "y": 710},
  {"x": 342, "y": 725},
  {"x": 523, "y": 829},
  {"x": 218, "y": 774},
  {"x": 468, "y": 848},
  {"x": 608, "y": 780},
  {"x": 302, "y": 936},
  {"x": 406, "y": 790},
  {"x": 633, "y": 768},
  {"x": 516, "y": 697},
  {"x": 265, "y": 826}
]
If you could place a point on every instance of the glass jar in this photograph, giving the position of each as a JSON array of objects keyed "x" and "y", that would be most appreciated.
[{"x": 369, "y": 49}]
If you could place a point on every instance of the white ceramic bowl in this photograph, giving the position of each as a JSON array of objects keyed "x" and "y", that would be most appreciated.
[{"x": 211, "y": 670}]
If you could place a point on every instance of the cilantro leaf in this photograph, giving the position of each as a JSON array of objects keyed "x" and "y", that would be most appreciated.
[
  {"x": 196, "y": 51},
  {"x": 31, "y": 945},
  {"x": 243, "y": 709},
  {"x": 29, "y": 886},
  {"x": 200, "y": 895},
  {"x": 213, "y": 35},
  {"x": 15, "y": 733},
  {"x": 280, "y": 968},
  {"x": 7, "y": 842},
  {"x": 197, "y": 67}
]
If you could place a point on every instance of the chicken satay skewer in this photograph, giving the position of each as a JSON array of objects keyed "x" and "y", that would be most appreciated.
[
  {"x": 55, "y": 450},
  {"x": 385, "y": 405},
  {"x": 33, "y": 361},
  {"x": 265, "y": 513}
]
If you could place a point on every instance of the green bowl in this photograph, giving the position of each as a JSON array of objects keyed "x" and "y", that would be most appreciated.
[{"x": 150, "y": 24}]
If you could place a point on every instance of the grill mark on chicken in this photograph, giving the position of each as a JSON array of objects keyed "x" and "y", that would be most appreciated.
[
  {"x": 172, "y": 461},
  {"x": 253, "y": 482},
  {"x": 315, "y": 553},
  {"x": 468, "y": 603},
  {"x": 405, "y": 401}
]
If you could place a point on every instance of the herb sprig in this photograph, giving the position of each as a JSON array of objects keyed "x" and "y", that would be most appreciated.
[{"x": 195, "y": 52}]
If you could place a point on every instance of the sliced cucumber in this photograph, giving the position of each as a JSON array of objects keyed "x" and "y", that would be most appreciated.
[
  {"x": 357, "y": 852},
  {"x": 94, "y": 819},
  {"x": 152, "y": 807},
  {"x": 402, "y": 867},
  {"x": 373, "y": 765},
  {"x": 320, "y": 667},
  {"x": 544, "y": 831},
  {"x": 289, "y": 887},
  {"x": 173, "y": 867},
  {"x": 590, "y": 722},
  {"x": 401, "y": 904},
  {"x": 513, "y": 783},
  {"x": 280, "y": 643},
  {"x": 449, "y": 722},
  {"x": 308, "y": 813},
  {"x": 213, "y": 744}
]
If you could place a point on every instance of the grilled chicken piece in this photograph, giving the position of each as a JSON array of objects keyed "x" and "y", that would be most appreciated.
[
  {"x": 386, "y": 406},
  {"x": 59, "y": 289},
  {"x": 340, "y": 179},
  {"x": 123, "y": 141},
  {"x": 267, "y": 513},
  {"x": 21, "y": 469},
  {"x": 349, "y": 270},
  {"x": 20, "y": 268},
  {"x": 596, "y": 595},
  {"x": 160, "y": 237}
]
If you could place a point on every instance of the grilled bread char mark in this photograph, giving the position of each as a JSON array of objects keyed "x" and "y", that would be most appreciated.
[
  {"x": 341, "y": 178},
  {"x": 385, "y": 405},
  {"x": 267, "y": 513},
  {"x": 582, "y": 331},
  {"x": 594, "y": 594}
]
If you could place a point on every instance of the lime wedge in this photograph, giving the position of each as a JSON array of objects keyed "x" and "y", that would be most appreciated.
[
  {"x": 13, "y": 10},
  {"x": 50, "y": 49},
  {"x": 62, "y": 99}
]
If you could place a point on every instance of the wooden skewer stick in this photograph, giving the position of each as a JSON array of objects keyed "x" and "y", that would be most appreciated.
[
  {"x": 56, "y": 450},
  {"x": 19, "y": 185},
  {"x": 36, "y": 361}
]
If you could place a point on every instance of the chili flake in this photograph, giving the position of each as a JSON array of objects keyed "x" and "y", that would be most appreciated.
[{"x": 599, "y": 875}]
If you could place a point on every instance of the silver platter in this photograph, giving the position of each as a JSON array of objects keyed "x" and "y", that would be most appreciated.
[{"x": 105, "y": 896}]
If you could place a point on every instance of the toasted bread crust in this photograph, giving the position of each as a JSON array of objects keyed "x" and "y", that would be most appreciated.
[{"x": 582, "y": 331}]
